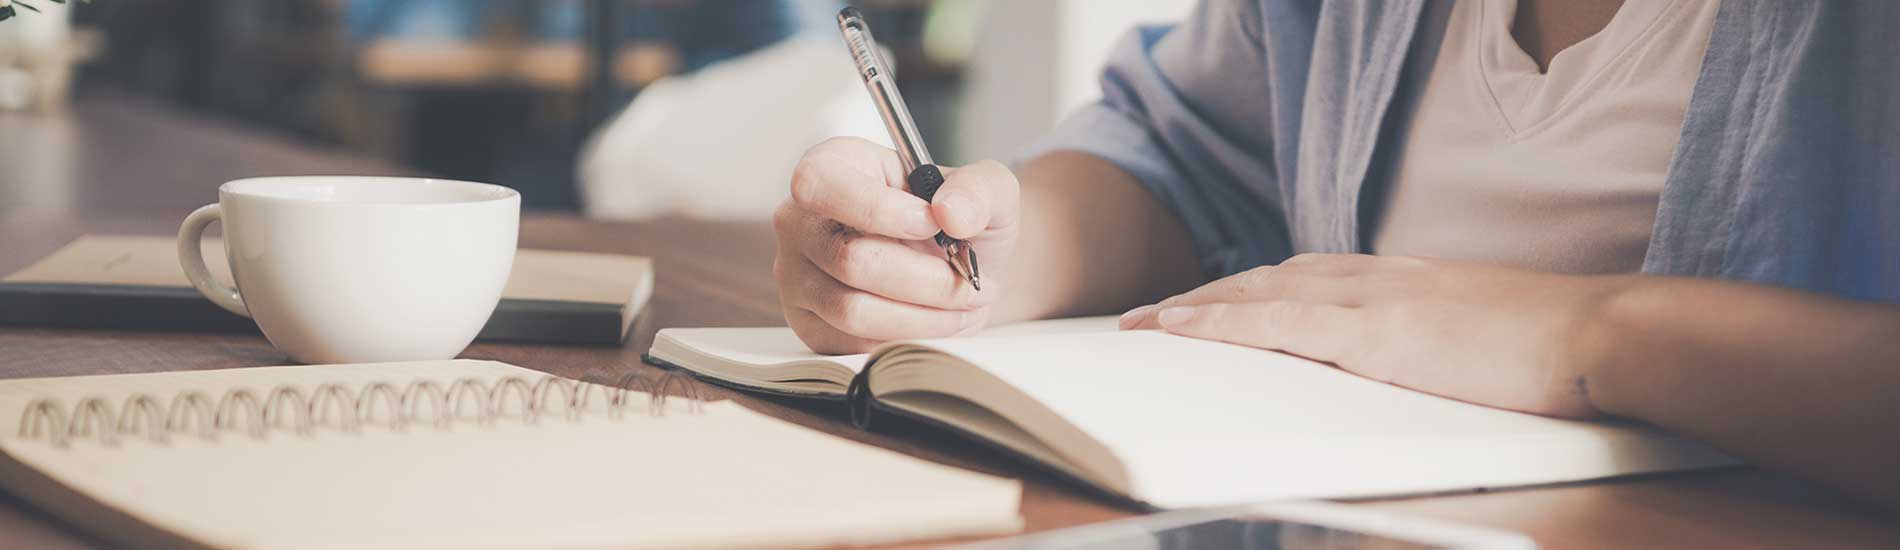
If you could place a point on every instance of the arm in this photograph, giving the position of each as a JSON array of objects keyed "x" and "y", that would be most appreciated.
[
  {"x": 1784, "y": 379},
  {"x": 1168, "y": 179},
  {"x": 1160, "y": 184},
  {"x": 1789, "y": 380},
  {"x": 1093, "y": 242}
]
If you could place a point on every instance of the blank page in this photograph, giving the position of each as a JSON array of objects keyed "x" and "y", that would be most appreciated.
[
  {"x": 723, "y": 476},
  {"x": 765, "y": 347},
  {"x": 1203, "y": 423}
]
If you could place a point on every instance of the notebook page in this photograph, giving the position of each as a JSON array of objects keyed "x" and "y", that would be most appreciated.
[
  {"x": 760, "y": 347},
  {"x": 774, "y": 346},
  {"x": 727, "y": 476},
  {"x": 1204, "y": 423}
]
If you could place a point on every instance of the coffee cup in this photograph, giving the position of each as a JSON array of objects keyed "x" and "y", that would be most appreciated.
[{"x": 354, "y": 269}]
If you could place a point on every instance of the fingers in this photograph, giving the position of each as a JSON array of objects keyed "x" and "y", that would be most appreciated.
[
  {"x": 862, "y": 314},
  {"x": 860, "y": 184},
  {"x": 977, "y": 197},
  {"x": 906, "y": 271},
  {"x": 821, "y": 338},
  {"x": 1314, "y": 278},
  {"x": 1315, "y": 331},
  {"x": 1331, "y": 264},
  {"x": 1307, "y": 278},
  {"x": 856, "y": 262},
  {"x": 1259, "y": 284}
]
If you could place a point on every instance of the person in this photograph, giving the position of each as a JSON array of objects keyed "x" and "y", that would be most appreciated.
[{"x": 1681, "y": 212}]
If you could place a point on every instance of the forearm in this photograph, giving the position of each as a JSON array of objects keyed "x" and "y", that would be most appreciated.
[
  {"x": 1784, "y": 379},
  {"x": 1092, "y": 241}
]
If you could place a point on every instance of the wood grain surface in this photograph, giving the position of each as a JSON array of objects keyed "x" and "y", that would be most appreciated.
[{"x": 120, "y": 165}]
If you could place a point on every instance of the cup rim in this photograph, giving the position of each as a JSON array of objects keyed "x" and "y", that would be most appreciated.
[{"x": 493, "y": 193}]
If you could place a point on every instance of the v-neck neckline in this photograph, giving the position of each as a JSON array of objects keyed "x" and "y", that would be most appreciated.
[{"x": 1525, "y": 98}]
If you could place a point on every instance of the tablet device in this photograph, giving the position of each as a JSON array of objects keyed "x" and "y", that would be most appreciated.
[{"x": 1277, "y": 526}]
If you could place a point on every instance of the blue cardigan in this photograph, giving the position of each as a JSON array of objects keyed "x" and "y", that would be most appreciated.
[{"x": 1259, "y": 123}]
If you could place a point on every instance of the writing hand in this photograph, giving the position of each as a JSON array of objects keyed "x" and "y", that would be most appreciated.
[{"x": 856, "y": 265}]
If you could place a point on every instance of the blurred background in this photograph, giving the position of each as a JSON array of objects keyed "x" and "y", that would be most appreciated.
[{"x": 624, "y": 109}]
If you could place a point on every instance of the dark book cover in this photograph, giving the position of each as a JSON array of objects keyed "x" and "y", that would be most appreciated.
[{"x": 104, "y": 282}]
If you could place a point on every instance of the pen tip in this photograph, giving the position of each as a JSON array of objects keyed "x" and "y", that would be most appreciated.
[{"x": 976, "y": 283}]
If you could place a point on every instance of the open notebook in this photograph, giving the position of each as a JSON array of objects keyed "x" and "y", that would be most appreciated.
[
  {"x": 454, "y": 453},
  {"x": 1177, "y": 422}
]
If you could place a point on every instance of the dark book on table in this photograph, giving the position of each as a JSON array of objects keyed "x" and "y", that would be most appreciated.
[{"x": 135, "y": 283}]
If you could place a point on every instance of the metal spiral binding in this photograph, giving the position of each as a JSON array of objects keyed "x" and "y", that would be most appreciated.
[{"x": 335, "y": 406}]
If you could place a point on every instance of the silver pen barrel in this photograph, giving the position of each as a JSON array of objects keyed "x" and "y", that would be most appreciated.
[
  {"x": 881, "y": 82},
  {"x": 923, "y": 177}
]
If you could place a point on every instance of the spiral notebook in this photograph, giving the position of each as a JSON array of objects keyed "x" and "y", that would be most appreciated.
[
  {"x": 458, "y": 453},
  {"x": 1178, "y": 422}
]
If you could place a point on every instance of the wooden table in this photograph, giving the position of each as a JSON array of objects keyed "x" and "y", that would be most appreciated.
[{"x": 118, "y": 165}]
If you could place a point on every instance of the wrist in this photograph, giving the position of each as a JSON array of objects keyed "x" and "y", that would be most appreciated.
[{"x": 1609, "y": 327}]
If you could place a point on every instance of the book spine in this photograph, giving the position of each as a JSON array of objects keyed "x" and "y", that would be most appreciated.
[
  {"x": 130, "y": 307},
  {"x": 115, "y": 307},
  {"x": 554, "y": 322},
  {"x": 857, "y": 398}
]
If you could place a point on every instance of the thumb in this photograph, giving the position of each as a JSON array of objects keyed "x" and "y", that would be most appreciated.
[{"x": 975, "y": 198}]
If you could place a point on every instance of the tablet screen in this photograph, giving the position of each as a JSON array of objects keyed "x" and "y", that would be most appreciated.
[{"x": 1267, "y": 534}]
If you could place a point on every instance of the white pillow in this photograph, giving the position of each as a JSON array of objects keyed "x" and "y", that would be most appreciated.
[{"x": 721, "y": 143}]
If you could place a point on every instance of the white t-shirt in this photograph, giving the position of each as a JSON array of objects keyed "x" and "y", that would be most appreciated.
[{"x": 1556, "y": 171}]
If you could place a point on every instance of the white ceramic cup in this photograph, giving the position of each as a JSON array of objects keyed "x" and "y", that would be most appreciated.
[{"x": 356, "y": 269}]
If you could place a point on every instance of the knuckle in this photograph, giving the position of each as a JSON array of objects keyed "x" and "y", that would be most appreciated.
[
  {"x": 807, "y": 180},
  {"x": 874, "y": 213},
  {"x": 855, "y": 260},
  {"x": 786, "y": 218},
  {"x": 852, "y": 312}
]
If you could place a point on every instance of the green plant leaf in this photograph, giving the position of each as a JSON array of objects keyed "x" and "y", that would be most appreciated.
[{"x": 6, "y": 12}]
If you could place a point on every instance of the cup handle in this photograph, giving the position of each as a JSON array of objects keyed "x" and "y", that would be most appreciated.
[{"x": 191, "y": 257}]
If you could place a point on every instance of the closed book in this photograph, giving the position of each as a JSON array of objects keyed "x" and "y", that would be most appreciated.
[{"x": 135, "y": 283}]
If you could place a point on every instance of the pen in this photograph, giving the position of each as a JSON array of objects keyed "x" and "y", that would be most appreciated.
[{"x": 924, "y": 176}]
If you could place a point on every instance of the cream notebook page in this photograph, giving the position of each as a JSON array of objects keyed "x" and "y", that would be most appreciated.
[
  {"x": 768, "y": 349},
  {"x": 723, "y": 476},
  {"x": 1195, "y": 422}
]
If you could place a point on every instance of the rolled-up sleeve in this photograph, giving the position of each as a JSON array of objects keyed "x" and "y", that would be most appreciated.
[{"x": 1191, "y": 111}]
